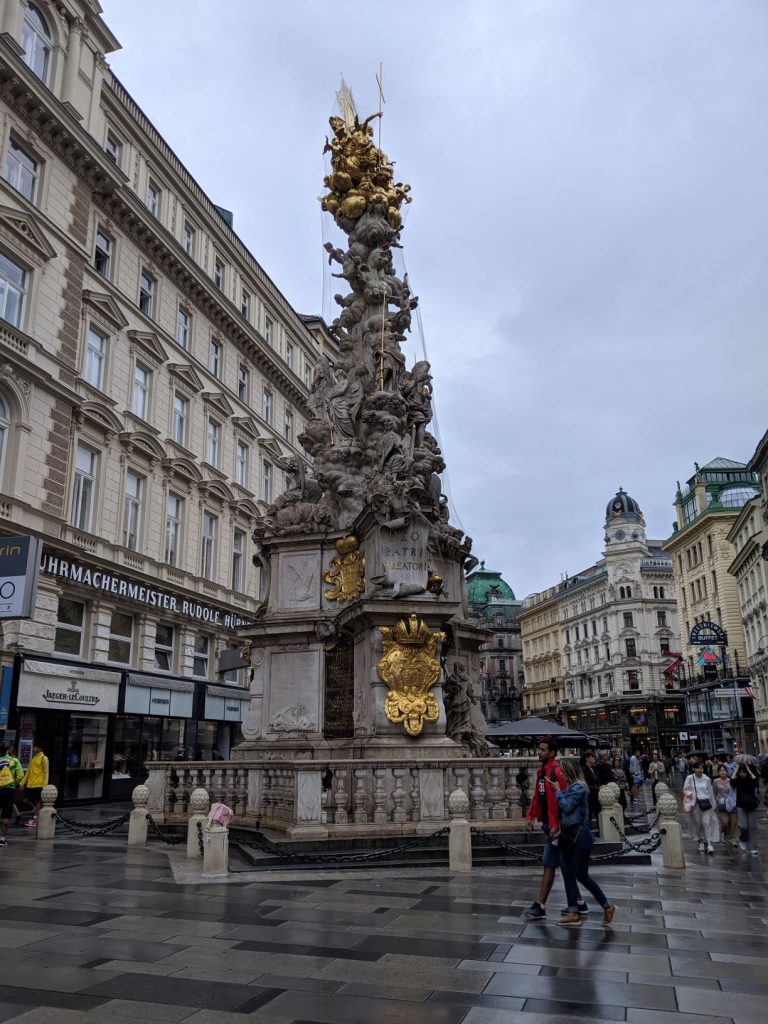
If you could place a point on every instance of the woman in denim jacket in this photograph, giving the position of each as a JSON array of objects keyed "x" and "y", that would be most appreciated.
[{"x": 575, "y": 842}]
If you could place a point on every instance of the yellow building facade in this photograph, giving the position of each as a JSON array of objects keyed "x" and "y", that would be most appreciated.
[{"x": 544, "y": 685}]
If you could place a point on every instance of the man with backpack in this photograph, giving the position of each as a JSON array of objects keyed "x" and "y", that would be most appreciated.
[
  {"x": 544, "y": 809},
  {"x": 11, "y": 774}
]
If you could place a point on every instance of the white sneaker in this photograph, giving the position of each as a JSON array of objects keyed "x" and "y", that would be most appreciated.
[
  {"x": 710, "y": 848},
  {"x": 701, "y": 846},
  {"x": 755, "y": 853}
]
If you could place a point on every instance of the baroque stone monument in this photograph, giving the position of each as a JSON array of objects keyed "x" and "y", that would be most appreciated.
[{"x": 364, "y": 615}]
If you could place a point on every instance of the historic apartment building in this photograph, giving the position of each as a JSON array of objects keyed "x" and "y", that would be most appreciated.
[
  {"x": 493, "y": 606},
  {"x": 153, "y": 383},
  {"x": 615, "y": 626},
  {"x": 749, "y": 538},
  {"x": 707, "y": 511}
]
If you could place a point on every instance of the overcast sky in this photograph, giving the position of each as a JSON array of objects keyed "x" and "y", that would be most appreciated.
[{"x": 588, "y": 233}]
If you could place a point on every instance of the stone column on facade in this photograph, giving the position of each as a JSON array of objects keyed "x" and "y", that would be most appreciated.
[
  {"x": 101, "y": 626},
  {"x": 99, "y": 69},
  {"x": 12, "y": 19},
  {"x": 72, "y": 65}
]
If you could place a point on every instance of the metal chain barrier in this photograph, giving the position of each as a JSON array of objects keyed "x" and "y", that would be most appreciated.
[
  {"x": 200, "y": 843},
  {"x": 491, "y": 840},
  {"x": 83, "y": 832},
  {"x": 164, "y": 837},
  {"x": 647, "y": 845},
  {"x": 337, "y": 858},
  {"x": 649, "y": 826}
]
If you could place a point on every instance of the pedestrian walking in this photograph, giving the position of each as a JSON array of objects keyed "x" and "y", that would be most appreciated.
[
  {"x": 590, "y": 777},
  {"x": 575, "y": 841},
  {"x": 603, "y": 769},
  {"x": 544, "y": 809},
  {"x": 725, "y": 803},
  {"x": 11, "y": 774},
  {"x": 620, "y": 778},
  {"x": 745, "y": 781},
  {"x": 699, "y": 802},
  {"x": 658, "y": 773},
  {"x": 636, "y": 775},
  {"x": 35, "y": 777}
]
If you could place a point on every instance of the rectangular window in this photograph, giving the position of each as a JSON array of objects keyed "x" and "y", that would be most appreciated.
[
  {"x": 207, "y": 545},
  {"x": 607, "y": 652},
  {"x": 147, "y": 286},
  {"x": 594, "y": 627},
  {"x": 245, "y": 304},
  {"x": 183, "y": 322},
  {"x": 567, "y": 636},
  {"x": 218, "y": 273},
  {"x": 631, "y": 648},
  {"x": 714, "y": 582},
  {"x": 664, "y": 645},
  {"x": 164, "y": 647},
  {"x": 102, "y": 254},
  {"x": 241, "y": 464},
  {"x": 266, "y": 482},
  {"x": 661, "y": 618},
  {"x": 213, "y": 442},
  {"x": 266, "y": 406},
  {"x": 633, "y": 680},
  {"x": 238, "y": 552},
  {"x": 269, "y": 332},
  {"x": 134, "y": 492},
  {"x": 500, "y": 642},
  {"x": 173, "y": 517},
  {"x": 188, "y": 239},
  {"x": 120, "y": 638},
  {"x": 243, "y": 382},
  {"x": 290, "y": 355},
  {"x": 214, "y": 358},
  {"x": 13, "y": 289},
  {"x": 141, "y": 383},
  {"x": 200, "y": 660},
  {"x": 95, "y": 358},
  {"x": 309, "y": 369},
  {"x": 153, "y": 198},
  {"x": 288, "y": 426},
  {"x": 180, "y": 413},
  {"x": 576, "y": 630},
  {"x": 70, "y": 627},
  {"x": 113, "y": 148},
  {"x": 22, "y": 170},
  {"x": 629, "y": 621},
  {"x": 84, "y": 486}
]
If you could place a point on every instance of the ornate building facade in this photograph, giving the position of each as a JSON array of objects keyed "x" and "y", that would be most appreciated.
[
  {"x": 543, "y": 683},
  {"x": 617, "y": 635},
  {"x": 707, "y": 511},
  {"x": 153, "y": 385},
  {"x": 493, "y": 606}
]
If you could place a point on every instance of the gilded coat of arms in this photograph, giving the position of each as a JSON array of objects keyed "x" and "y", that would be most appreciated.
[
  {"x": 346, "y": 572},
  {"x": 410, "y": 668}
]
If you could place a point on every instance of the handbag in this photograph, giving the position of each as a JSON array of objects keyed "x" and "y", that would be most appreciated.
[
  {"x": 568, "y": 837},
  {"x": 730, "y": 801},
  {"x": 705, "y": 804}
]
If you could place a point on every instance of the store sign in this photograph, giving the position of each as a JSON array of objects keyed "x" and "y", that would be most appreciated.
[
  {"x": 708, "y": 633},
  {"x": 152, "y": 695},
  {"x": 51, "y": 685},
  {"x": 19, "y": 557},
  {"x": 222, "y": 705},
  {"x": 731, "y": 691},
  {"x": 113, "y": 583},
  {"x": 683, "y": 735},
  {"x": 6, "y": 680}
]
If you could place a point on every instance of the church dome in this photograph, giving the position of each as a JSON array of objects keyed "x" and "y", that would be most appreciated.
[
  {"x": 622, "y": 506},
  {"x": 484, "y": 586}
]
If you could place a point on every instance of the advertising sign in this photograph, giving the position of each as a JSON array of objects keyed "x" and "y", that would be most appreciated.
[
  {"x": 52, "y": 685},
  {"x": 5, "y": 695},
  {"x": 19, "y": 557},
  {"x": 707, "y": 633}
]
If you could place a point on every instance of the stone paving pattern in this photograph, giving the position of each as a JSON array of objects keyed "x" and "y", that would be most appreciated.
[{"x": 90, "y": 931}]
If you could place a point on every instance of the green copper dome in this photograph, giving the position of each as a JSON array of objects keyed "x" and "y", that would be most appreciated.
[{"x": 485, "y": 586}]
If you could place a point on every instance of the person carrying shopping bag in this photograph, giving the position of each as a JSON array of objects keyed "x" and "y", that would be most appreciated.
[{"x": 699, "y": 801}]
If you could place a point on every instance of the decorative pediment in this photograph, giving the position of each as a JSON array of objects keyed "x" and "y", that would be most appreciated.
[
  {"x": 270, "y": 447},
  {"x": 99, "y": 415},
  {"x": 217, "y": 401},
  {"x": 23, "y": 227},
  {"x": 184, "y": 373},
  {"x": 246, "y": 508},
  {"x": 150, "y": 345},
  {"x": 217, "y": 489},
  {"x": 139, "y": 442},
  {"x": 105, "y": 307},
  {"x": 247, "y": 424},
  {"x": 184, "y": 468}
]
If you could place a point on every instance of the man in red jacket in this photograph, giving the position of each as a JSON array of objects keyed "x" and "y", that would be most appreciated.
[{"x": 544, "y": 809}]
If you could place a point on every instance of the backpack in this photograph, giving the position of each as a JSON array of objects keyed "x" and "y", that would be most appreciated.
[{"x": 6, "y": 775}]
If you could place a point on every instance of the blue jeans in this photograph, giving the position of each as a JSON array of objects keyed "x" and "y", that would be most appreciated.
[{"x": 575, "y": 868}]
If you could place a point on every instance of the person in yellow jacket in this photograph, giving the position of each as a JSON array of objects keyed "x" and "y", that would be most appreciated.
[{"x": 35, "y": 777}]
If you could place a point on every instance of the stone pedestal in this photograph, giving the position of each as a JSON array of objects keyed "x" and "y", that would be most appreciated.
[
  {"x": 199, "y": 803},
  {"x": 460, "y": 835},
  {"x": 215, "y": 850},
  {"x": 137, "y": 823},
  {"x": 46, "y": 822},
  {"x": 671, "y": 832}
]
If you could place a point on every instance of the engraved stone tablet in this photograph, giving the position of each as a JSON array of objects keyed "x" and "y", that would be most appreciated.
[{"x": 339, "y": 691}]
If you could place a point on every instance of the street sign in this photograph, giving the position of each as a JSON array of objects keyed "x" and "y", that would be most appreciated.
[
  {"x": 683, "y": 735},
  {"x": 19, "y": 561},
  {"x": 731, "y": 691}
]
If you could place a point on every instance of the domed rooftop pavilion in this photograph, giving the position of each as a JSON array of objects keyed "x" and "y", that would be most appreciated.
[{"x": 622, "y": 506}]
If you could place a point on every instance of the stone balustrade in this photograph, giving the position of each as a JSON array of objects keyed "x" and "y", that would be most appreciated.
[{"x": 314, "y": 798}]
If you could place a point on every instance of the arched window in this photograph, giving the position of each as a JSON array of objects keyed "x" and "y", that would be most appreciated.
[
  {"x": 37, "y": 43},
  {"x": 629, "y": 591},
  {"x": 5, "y": 429},
  {"x": 661, "y": 591},
  {"x": 621, "y": 592}
]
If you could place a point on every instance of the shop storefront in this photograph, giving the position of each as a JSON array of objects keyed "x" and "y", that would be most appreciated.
[{"x": 645, "y": 724}]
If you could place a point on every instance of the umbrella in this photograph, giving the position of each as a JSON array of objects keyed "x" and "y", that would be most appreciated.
[
  {"x": 533, "y": 729},
  {"x": 745, "y": 759}
]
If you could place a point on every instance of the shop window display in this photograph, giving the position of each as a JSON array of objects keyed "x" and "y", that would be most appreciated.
[{"x": 84, "y": 767}]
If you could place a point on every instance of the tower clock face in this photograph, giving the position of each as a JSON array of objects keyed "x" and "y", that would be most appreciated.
[
  {"x": 617, "y": 506},
  {"x": 620, "y": 535}
]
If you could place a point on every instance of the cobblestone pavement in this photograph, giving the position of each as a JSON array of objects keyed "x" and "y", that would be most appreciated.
[{"x": 90, "y": 931}]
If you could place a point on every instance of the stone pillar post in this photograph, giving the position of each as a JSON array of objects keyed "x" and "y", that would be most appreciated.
[
  {"x": 460, "y": 836},
  {"x": 72, "y": 65},
  {"x": 215, "y": 849},
  {"x": 608, "y": 808},
  {"x": 671, "y": 832},
  {"x": 199, "y": 802},
  {"x": 137, "y": 824},
  {"x": 46, "y": 823}
]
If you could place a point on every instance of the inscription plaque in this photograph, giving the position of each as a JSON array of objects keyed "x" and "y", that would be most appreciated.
[{"x": 339, "y": 691}]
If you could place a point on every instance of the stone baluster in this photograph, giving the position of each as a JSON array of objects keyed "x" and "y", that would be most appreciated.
[
  {"x": 340, "y": 813},
  {"x": 137, "y": 823},
  {"x": 671, "y": 832},
  {"x": 46, "y": 821},
  {"x": 511, "y": 792},
  {"x": 461, "y": 774},
  {"x": 361, "y": 812},
  {"x": 460, "y": 834},
  {"x": 379, "y": 796},
  {"x": 399, "y": 813},
  {"x": 477, "y": 796},
  {"x": 496, "y": 796},
  {"x": 199, "y": 804},
  {"x": 450, "y": 782},
  {"x": 415, "y": 795},
  {"x": 607, "y": 795}
]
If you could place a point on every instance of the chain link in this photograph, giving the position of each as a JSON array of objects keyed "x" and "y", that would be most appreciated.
[
  {"x": 649, "y": 826},
  {"x": 491, "y": 840},
  {"x": 83, "y": 832},
  {"x": 164, "y": 837},
  {"x": 337, "y": 858},
  {"x": 200, "y": 843}
]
